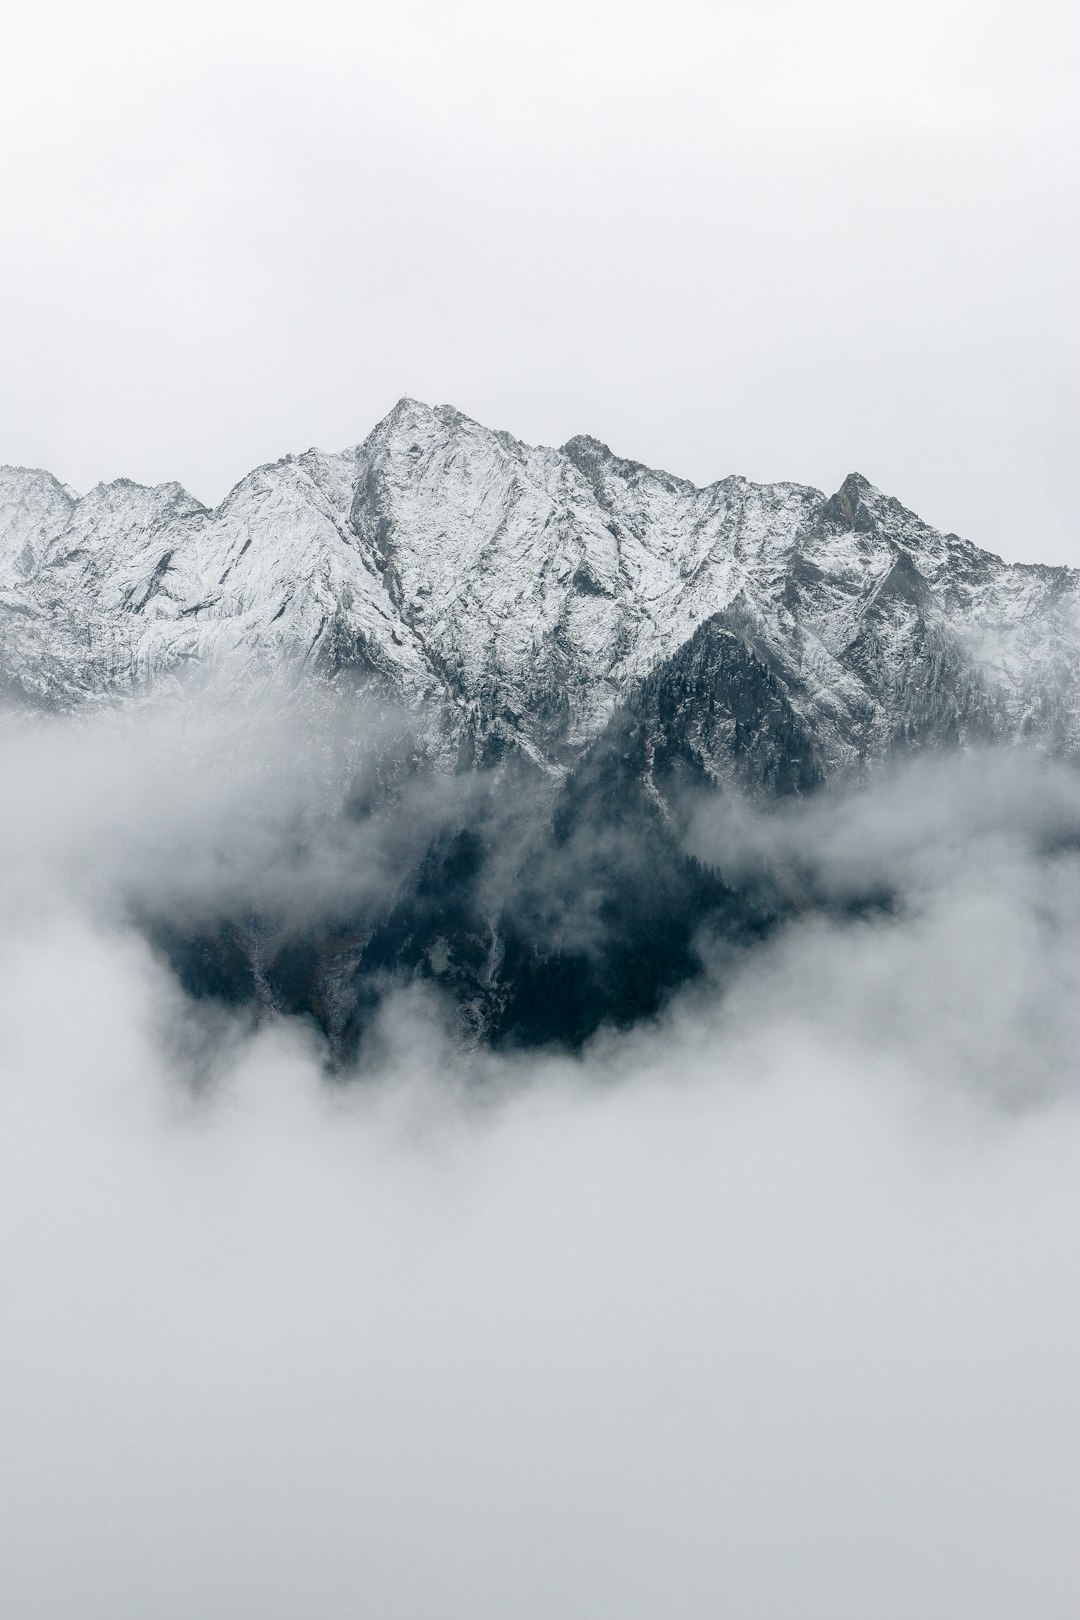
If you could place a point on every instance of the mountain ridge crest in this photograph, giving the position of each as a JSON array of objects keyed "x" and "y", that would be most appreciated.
[{"x": 440, "y": 561}]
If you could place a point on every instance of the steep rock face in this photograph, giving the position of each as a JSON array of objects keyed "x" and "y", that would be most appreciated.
[
  {"x": 521, "y": 596},
  {"x": 717, "y": 708}
]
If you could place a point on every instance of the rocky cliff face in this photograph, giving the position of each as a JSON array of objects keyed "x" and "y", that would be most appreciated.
[{"x": 525, "y": 594}]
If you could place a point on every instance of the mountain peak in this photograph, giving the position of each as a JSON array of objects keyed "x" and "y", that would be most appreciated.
[
  {"x": 854, "y": 504},
  {"x": 583, "y": 447},
  {"x": 407, "y": 413}
]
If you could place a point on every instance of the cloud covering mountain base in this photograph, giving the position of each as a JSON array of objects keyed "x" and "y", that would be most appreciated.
[{"x": 766, "y": 1308}]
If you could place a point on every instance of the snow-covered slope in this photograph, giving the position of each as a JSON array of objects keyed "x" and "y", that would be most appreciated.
[{"x": 523, "y": 595}]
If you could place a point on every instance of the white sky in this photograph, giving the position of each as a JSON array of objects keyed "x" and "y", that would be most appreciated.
[{"x": 757, "y": 236}]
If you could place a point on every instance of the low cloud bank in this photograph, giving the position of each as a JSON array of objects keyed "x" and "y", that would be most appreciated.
[
  {"x": 202, "y": 809},
  {"x": 767, "y": 1310}
]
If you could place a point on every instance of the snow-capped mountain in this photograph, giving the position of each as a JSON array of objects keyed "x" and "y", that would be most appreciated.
[
  {"x": 526, "y": 595},
  {"x": 623, "y": 646}
]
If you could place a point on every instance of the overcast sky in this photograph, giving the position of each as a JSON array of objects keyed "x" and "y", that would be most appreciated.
[{"x": 782, "y": 239}]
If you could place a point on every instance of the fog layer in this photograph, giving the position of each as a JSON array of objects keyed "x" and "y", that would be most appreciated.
[{"x": 767, "y": 1310}]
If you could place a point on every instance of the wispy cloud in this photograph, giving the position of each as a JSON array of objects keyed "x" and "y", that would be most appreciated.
[{"x": 769, "y": 1308}]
